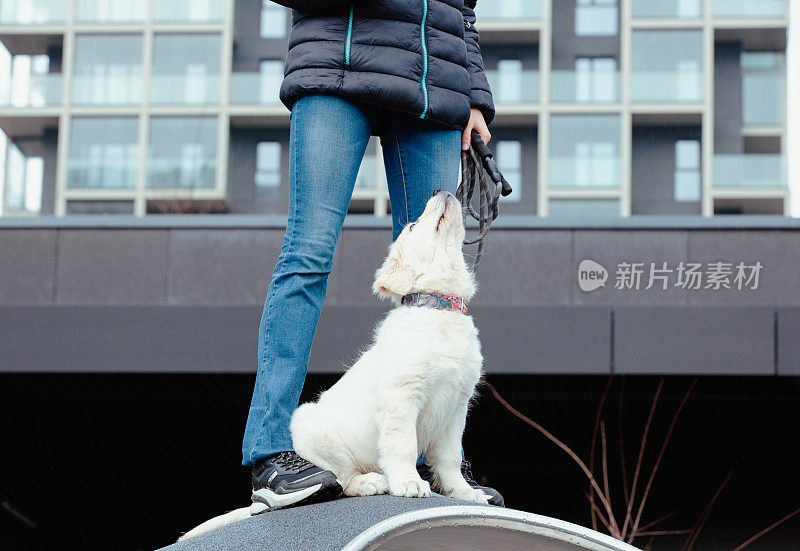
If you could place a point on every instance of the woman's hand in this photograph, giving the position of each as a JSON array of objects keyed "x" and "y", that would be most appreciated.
[{"x": 477, "y": 122}]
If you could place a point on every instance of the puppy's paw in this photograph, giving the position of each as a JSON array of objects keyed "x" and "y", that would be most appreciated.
[
  {"x": 410, "y": 488},
  {"x": 470, "y": 494},
  {"x": 368, "y": 484}
]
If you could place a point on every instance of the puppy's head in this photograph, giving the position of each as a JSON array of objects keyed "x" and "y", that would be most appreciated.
[{"x": 427, "y": 256}]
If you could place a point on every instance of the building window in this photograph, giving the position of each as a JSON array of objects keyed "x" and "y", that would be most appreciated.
[
  {"x": 108, "y": 69},
  {"x": 96, "y": 11},
  {"x": 508, "y": 9},
  {"x": 596, "y": 17},
  {"x": 103, "y": 153},
  {"x": 509, "y": 73},
  {"x": 672, "y": 9},
  {"x": 595, "y": 79},
  {"x": 667, "y": 66},
  {"x": 273, "y": 20},
  {"x": 763, "y": 86},
  {"x": 271, "y": 75},
  {"x": 180, "y": 11},
  {"x": 23, "y": 174},
  {"x": 182, "y": 153},
  {"x": 687, "y": 171},
  {"x": 509, "y": 156},
  {"x": 268, "y": 165},
  {"x": 186, "y": 69},
  {"x": 585, "y": 151}
]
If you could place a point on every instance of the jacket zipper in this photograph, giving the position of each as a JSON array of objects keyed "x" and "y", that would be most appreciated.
[
  {"x": 349, "y": 37},
  {"x": 424, "y": 57}
]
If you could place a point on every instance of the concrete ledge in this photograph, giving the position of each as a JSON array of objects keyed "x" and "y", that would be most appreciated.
[
  {"x": 393, "y": 523},
  {"x": 506, "y": 221}
]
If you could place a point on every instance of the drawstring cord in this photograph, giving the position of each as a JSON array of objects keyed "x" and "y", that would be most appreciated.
[{"x": 478, "y": 168}]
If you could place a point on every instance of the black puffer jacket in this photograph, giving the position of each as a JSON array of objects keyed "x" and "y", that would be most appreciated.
[{"x": 420, "y": 57}]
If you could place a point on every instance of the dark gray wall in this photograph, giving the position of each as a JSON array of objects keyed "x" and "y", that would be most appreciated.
[
  {"x": 528, "y": 136},
  {"x": 189, "y": 299},
  {"x": 567, "y": 46},
  {"x": 243, "y": 194},
  {"x": 727, "y": 98},
  {"x": 653, "y": 170},
  {"x": 249, "y": 48}
]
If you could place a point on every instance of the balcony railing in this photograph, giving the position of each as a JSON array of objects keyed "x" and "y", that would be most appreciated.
[
  {"x": 743, "y": 9},
  {"x": 508, "y": 10},
  {"x": 514, "y": 87},
  {"x": 185, "y": 89},
  {"x": 573, "y": 87},
  {"x": 750, "y": 171},
  {"x": 667, "y": 86},
  {"x": 763, "y": 99},
  {"x": 668, "y": 9},
  {"x": 38, "y": 91},
  {"x": 569, "y": 172},
  {"x": 254, "y": 89},
  {"x": 33, "y": 12}
]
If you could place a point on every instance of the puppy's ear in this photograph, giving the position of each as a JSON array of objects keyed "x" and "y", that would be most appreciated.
[{"x": 394, "y": 277}]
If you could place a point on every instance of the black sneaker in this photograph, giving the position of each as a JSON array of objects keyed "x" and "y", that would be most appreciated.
[
  {"x": 426, "y": 473},
  {"x": 285, "y": 479}
]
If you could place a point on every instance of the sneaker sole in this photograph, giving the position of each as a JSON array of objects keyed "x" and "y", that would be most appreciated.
[{"x": 267, "y": 500}]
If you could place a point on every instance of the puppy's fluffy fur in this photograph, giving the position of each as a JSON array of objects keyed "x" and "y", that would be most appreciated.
[{"x": 408, "y": 393}]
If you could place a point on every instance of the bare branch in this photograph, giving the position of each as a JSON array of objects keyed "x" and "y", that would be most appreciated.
[
  {"x": 768, "y": 529},
  {"x": 664, "y": 532},
  {"x": 614, "y": 529},
  {"x": 594, "y": 445},
  {"x": 698, "y": 527},
  {"x": 639, "y": 460},
  {"x": 659, "y": 519},
  {"x": 605, "y": 461},
  {"x": 661, "y": 455},
  {"x": 621, "y": 444}
]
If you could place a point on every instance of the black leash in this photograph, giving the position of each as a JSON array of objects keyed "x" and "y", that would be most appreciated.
[{"x": 478, "y": 168}]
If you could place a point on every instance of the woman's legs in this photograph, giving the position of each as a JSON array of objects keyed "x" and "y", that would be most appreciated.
[
  {"x": 419, "y": 159},
  {"x": 328, "y": 137}
]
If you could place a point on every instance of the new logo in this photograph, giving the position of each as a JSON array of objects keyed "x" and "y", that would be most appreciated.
[{"x": 591, "y": 275}]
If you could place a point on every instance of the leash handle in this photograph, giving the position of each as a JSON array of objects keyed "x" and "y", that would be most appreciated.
[{"x": 487, "y": 159}]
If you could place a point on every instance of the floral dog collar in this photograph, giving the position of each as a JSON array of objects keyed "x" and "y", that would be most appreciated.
[{"x": 436, "y": 300}]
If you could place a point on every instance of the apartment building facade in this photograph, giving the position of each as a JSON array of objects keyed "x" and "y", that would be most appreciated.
[{"x": 604, "y": 108}]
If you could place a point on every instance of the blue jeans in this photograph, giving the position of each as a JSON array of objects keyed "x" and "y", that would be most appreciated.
[{"x": 328, "y": 137}]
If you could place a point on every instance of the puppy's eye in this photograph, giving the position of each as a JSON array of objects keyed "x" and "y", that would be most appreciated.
[{"x": 411, "y": 226}]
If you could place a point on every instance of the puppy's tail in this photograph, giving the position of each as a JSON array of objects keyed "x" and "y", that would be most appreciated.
[{"x": 217, "y": 522}]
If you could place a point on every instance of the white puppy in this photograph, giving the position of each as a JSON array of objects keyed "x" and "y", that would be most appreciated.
[{"x": 409, "y": 392}]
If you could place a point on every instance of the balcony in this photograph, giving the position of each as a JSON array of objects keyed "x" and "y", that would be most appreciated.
[
  {"x": 514, "y": 87},
  {"x": 754, "y": 171},
  {"x": 255, "y": 89},
  {"x": 668, "y": 9},
  {"x": 750, "y": 9},
  {"x": 33, "y": 12},
  {"x": 509, "y": 21},
  {"x": 763, "y": 99},
  {"x": 37, "y": 91},
  {"x": 673, "y": 87},
  {"x": 575, "y": 87},
  {"x": 509, "y": 10},
  {"x": 199, "y": 88}
]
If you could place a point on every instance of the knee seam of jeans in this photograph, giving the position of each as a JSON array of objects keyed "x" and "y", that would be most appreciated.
[{"x": 402, "y": 167}]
